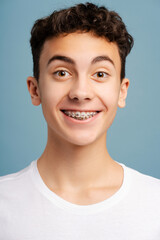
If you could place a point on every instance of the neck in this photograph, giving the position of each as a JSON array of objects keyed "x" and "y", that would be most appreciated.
[{"x": 68, "y": 166}]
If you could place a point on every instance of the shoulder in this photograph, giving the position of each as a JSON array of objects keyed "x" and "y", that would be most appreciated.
[
  {"x": 12, "y": 183},
  {"x": 142, "y": 178},
  {"x": 144, "y": 186}
]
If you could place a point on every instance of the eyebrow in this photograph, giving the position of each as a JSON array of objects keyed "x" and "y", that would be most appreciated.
[
  {"x": 102, "y": 58},
  {"x": 71, "y": 61},
  {"x": 61, "y": 58}
]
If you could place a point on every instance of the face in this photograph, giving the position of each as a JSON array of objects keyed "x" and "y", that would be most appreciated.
[{"x": 79, "y": 73}]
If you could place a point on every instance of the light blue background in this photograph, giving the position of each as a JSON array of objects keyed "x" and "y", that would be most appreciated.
[{"x": 133, "y": 139}]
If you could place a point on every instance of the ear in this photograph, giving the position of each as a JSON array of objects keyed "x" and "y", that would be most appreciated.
[
  {"x": 123, "y": 93},
  {"x": 34, "y": 91}
]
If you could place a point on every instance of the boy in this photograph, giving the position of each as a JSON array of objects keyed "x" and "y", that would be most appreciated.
[{"x": 75, "y": 190}]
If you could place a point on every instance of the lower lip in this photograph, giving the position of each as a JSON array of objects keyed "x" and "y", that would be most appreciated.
[{"x": 73, "y": 120}]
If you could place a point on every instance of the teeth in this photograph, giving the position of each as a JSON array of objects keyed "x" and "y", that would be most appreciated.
[
  {"x": 73, "y": 114},
  {"x": 80, "y": 115}
]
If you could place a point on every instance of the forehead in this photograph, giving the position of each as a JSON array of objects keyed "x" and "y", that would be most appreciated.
[{"x": 80, "y": 47}]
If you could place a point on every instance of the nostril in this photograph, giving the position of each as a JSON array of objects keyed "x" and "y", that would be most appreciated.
[{"x": 75, "y": 98}]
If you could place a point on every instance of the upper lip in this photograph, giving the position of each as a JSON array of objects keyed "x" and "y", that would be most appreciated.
[{"x": 81, "y": 110}]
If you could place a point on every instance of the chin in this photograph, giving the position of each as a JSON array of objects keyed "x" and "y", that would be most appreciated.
[{"x": 82, "y": 140}]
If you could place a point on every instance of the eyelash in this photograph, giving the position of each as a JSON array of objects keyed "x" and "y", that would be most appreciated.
[
  {"x": 104, "y": 73},
  {"x": 64, "y": 71},
  {"x": 60, "y": 71}
]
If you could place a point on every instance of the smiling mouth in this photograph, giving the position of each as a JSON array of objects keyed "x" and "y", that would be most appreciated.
[{"x": 80, "y": 115}]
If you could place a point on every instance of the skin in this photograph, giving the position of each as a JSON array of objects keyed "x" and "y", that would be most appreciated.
[{"x": 75, "y": 163}]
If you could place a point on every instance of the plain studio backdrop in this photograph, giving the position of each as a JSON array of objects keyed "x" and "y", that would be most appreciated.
[{"x": 134, "y": 137}]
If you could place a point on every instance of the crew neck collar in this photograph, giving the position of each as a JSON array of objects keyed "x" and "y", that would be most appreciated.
[{"x": 76, "y": 208}]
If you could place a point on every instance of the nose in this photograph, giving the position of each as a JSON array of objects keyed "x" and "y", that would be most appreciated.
[{"x": 81, "y": 90}]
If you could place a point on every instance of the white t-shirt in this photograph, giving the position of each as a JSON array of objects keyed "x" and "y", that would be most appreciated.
[{"x": 30, "y": 211}]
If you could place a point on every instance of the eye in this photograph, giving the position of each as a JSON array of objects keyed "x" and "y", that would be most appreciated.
[
  {"x": 61, "y": 73},
  {"x": 100, "y": 75}
]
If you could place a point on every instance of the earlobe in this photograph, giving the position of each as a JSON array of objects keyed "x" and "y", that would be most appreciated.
[
  {"x": 33, "y": 89},
  {"x": 123, "y": 93}
]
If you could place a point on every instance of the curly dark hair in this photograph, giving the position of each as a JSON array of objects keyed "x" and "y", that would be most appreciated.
[{"x": 85, "y": 18}]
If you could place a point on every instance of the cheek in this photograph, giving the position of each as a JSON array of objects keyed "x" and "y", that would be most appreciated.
[
  {"x": 51, "y": 96},
  {"x": 109, "y": 95},
  {"x": 52, "y": 92}
]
